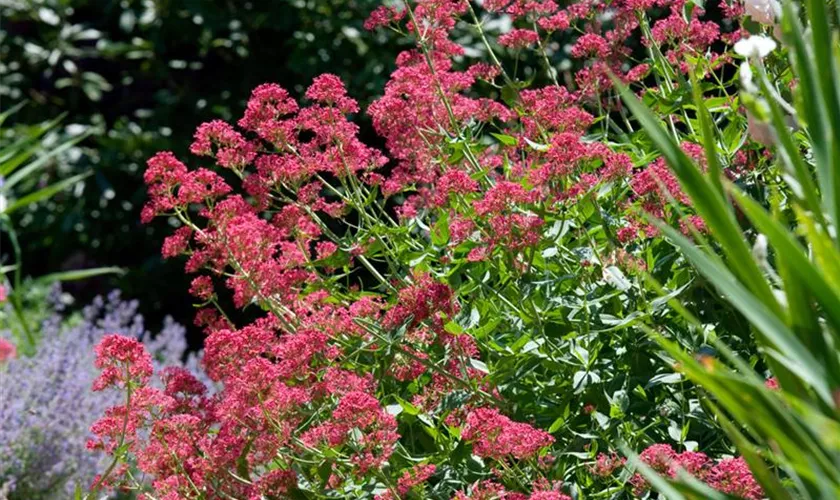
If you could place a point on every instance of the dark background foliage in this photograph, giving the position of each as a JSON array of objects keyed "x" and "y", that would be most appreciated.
[{"x": 142, "y": 75}]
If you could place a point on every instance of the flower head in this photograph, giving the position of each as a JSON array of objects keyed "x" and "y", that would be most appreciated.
[
  {"x": 122, "y": 360},
  {"x": 755, "y": 46},
  {"x": 7, "y": 350}
]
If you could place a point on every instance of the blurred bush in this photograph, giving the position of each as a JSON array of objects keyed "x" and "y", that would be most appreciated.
[
  {"x": 27, "y": 153},
  {"x": 140, "y": 75}
]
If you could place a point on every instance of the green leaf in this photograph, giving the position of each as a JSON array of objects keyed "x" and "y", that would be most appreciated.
[
  {"x": 556, "y": 425},
  {"x": 507, "y": 140},
  {"x": 453, "y": 328},
  {"x": 440, "y": 231},
  {"x": 407, "y": 407},
  {"x": 47, "y": 192},
  {"x": 485, "y": 329},
  {"x": 80, "y": 274},
  {"x": 781, "y": 342}
]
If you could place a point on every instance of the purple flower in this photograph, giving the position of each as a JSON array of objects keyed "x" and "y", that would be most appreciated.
[{"x": 47, "y": 405}]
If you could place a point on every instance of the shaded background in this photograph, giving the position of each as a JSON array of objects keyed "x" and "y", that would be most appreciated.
[{"x": 142, "y": 75}]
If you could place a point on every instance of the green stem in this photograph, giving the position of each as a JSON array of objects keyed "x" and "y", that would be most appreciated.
[
  {"x": 477, "y": 25},
  {"x": 98, "y": 484}
]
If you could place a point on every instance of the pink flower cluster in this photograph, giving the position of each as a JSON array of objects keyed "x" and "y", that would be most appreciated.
[
  {"x": 729, "y": 475},
  {"x": 496, "y": 436},
  {"x": 7, "y": 350},
  {"x": 490, "y": 490},
  {"x": 121, "y": 361}
]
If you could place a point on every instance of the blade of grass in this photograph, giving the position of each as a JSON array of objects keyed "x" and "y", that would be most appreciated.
[
  {"x": 710, "y": 204},
  {"x": 827, "y": 76},
  {"x": 708, "y": 136},
  {"x": 9, "y": 112},
  {"x": 80, "y": 274},
  {"x": 776, "y": 335},
  {"x": 47, "y": 192},
  {"x": 789, "y": 152},
  {"x": 812, "y": 101},
  {"x": 40, "y": 162},
  {"x": 793, "y": 255}
]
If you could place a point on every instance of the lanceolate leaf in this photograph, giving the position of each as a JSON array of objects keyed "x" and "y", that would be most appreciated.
[
  {"x": 708, "y": 201},
  {"x": 781, "y": 342}
]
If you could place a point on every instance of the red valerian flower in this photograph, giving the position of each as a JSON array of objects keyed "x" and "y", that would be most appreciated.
[
  {"x": 202, "y": 287},
  {"x": 7, "y": 350},
  {"x": 605, "y": 465},
  {"x": 519, "y": 39},
  {"x": 693, "y": 462},
  {"x": 730, "y": 475},
  {"x": 733, "y": 477},
  {"x": 376, "y": 436},
  {"x": 415, "y": 476},
  {"x": 176, "y": 243},
  {"x": 549, "y": 495},
  {"x": 269, "y": 102},
  {"x": 496, "y": 436},
  {"x": 486, "y": 490},
  {"x": 122, "y": 360},
  {"x": 422, "y": 301},
  {"x": 232, "y": 150},
  {"x": 659, "y": 457},
  {"x": 328, "y": 89},
  {"x": 276, "y": 482},
  {"x": 590, "y": 45},
  {"x": 383, "y": 16}
]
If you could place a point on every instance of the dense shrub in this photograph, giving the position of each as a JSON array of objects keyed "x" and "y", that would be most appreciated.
[{"x": 464, "y": 314}]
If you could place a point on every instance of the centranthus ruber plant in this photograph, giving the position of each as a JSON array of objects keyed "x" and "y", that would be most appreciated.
[{"x": 454, "y": 317}]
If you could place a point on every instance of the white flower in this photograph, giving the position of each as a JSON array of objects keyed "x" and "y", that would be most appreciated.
[
  {"x": 762, "y": 11},
  {"x": 760, "y": 249},
  {"x": 746, "y": 76},
  {"x": 755, "y": 46}
]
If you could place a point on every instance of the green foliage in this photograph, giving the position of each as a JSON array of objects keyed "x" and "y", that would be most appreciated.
[
  {"x": 25, "y": 153},
  {"x": 786, "y": 286}
]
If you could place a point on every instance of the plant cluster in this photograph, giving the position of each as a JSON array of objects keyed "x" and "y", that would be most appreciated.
[
  {"x": 48, "y": 406},
  {"x": 464, "y": 314}
]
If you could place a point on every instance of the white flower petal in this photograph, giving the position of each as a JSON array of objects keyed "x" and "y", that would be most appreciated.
[
  {"x": 755, "y": 46},
  {"x": 746, "y": 75}
]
